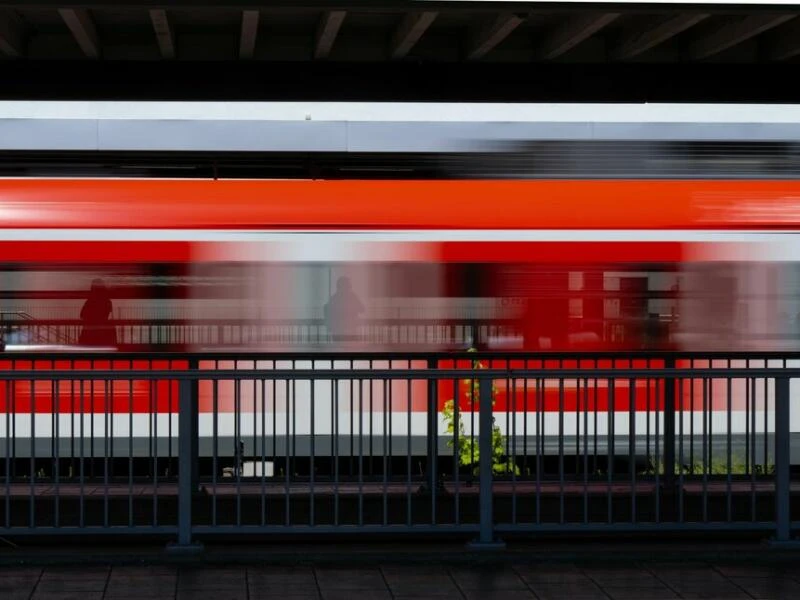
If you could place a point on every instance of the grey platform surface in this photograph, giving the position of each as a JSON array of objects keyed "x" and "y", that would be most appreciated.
[{"x": 576, "y": 571}]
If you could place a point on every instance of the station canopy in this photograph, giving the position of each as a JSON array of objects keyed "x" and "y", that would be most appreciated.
[{"x": 386, "y": 31}]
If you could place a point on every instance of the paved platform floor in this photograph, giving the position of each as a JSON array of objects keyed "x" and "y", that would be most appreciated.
[{"x": 545, "y": 581}]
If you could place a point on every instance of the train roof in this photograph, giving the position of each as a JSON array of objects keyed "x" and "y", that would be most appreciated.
[{"x": 354, "y": 127}]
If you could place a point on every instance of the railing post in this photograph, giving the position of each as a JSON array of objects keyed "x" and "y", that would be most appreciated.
[
  {"x": 783, "y": 522},
  {"x": 433, "y": 429},
  {"x": 669, "y": 426},
  {"x": 194, "y": 411},
  {"x": 187, "y": 464},
  {"x": 486, "y": 540}
]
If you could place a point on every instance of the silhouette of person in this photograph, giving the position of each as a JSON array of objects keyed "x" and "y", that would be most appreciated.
[
  {"x": 96, "y": 317},
  {"x": 342, "y": 311}
]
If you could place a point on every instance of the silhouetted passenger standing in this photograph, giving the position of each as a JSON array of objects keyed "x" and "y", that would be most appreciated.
[
  {"x": 342, "y": 311},
  {"x": 98, "y": 330}
]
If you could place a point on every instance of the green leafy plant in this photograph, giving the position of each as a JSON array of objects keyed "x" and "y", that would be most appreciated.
[
  {"x": 468, "y": 449},
  {"x": 715, "y": 466}
]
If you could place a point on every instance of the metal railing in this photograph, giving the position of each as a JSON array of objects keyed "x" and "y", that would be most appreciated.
[
  {"x": 136, "y": 334},
  {"x": 195, "y": 445},
  {"x": 133, "y": 334}
]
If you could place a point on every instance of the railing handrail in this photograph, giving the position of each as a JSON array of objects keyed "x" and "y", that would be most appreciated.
[
  {"x": 400, "y": 374},
  {"x": 345, "y": 354}
]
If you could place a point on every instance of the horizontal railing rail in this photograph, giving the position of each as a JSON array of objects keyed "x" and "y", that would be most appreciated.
[{"x": 485, "y": 443}]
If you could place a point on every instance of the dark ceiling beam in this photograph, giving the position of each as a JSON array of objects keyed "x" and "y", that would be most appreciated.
[
  {"x": 784, "y": 44},
  {"x": 11, "y": 42},
  {"x": 247, "y": 42},
  {"x": 328, "y": 30},
  {"x": 734, "y": 33},
  {"x": 489, "y": 37},
  {"x": 577, "y": 30},
  {"x": 164, "y": 34},
  {"x": 409, "y": 32},
  {"x": 82, "y": 28},
  {"x": 648, "y": 39}
]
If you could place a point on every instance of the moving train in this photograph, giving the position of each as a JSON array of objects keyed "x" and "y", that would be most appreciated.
[{"x": 297, "y": 267}]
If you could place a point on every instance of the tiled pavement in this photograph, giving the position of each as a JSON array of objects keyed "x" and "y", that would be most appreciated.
[{"x": 554, "y": 581}]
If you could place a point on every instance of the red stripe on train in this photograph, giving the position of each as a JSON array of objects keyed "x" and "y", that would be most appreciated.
[{"x": 142, "y": 397}]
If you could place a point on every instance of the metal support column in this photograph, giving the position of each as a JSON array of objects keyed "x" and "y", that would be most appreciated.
[
  {"x": 783, "y": 521},
  {"x": 187, "y": 464},
  {"x": 669, "y": 428},
  {"x": 486, "y": 540},
  {"x": 433, "y": 431},
  {"x": 194, "y": 411}
]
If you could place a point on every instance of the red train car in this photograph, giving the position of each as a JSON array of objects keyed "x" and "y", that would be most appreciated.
[{"x": 411, "y": 266}]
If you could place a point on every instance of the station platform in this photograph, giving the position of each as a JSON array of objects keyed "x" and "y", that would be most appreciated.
[{"x": 545, "y": 571}]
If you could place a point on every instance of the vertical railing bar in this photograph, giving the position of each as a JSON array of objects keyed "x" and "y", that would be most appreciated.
[
  {"x": 525, "y": 470},
  {"x": 275, "y": 421},
  {"x": 486, "y": 491},
  {"x": 669, "y": 428},
  {"x": 783, "y": 521},
  {"x": 539, "y": 392},
  {"x": 262, "y": 467},
  {"x": 215, "y": 444},
  {"x": 130, "y": 449},
  {"x": 386, "y": 383},
  {"x": 647, "y": 417},
  {"x": 32, "y": 509},
  {"x": 335, "y": 419},
  {"x": 586, "y": 450},
  {"x": 472, "y": 395},
  {"x": 729, "y": 447},
  {"x": 632, "y": 443},
  {"x": 595, "y": 438},
  {"x": 293, "y": 456},
  {"x": 753, "y": 469},
  {"x": 170, "y": 412},
  {"x": 561, "y": 450},
  {"x": 81, "y": 465},
  {"x": 186, "y": 431},
  {"x": 612, "y": 384},
  {"x": 692, "y": 382},
  {"x": 352, "y": 424},
  {"x": 456, "y": 449},
  {"x": 577, "y": 422},
  {"x": 659, "y": 411},
  {"x": 511, "y": 384},
  {"x": 312, "y": 450},
  {"x": 71, "y": 421},
  {"x": 747, "y": 421},
  {"x": 11, "y": 433},
  {"x": 110, "y": 425},
  {"x": 287, "y": 487},
  {"x": 766, "y": 424},
  {"x": 681, "y": 469},
  {"x": 408, "y": 454},
  {"x": 706, "y": 446},
  {"x": 391, "y": 426},
  {"x": 360, "y": 386},
  {"x": 264, "y": 452},
  {"x": 153, "y": 435},
  {"x": 107, "y": 404},
  {"x": 14, "y": 387},
  {"x": 55, "y": 446},
  {"x": 238, "y": 452},
  {"x": 371, "y": 427}
]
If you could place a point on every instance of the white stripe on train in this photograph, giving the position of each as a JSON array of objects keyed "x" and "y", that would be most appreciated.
[
  {"x": 399, "y": 235},
  {"x": 146, "y": 425}
]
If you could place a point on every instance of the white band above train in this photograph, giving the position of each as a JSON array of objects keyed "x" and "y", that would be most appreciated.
[
  {"x": 417, "y": 112},
  {"x": 345, "y": 236},
  {"x": 367, "y": 127}
]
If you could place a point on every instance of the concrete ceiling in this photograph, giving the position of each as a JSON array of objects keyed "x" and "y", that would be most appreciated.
[{"x": 392, "y": 31}]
